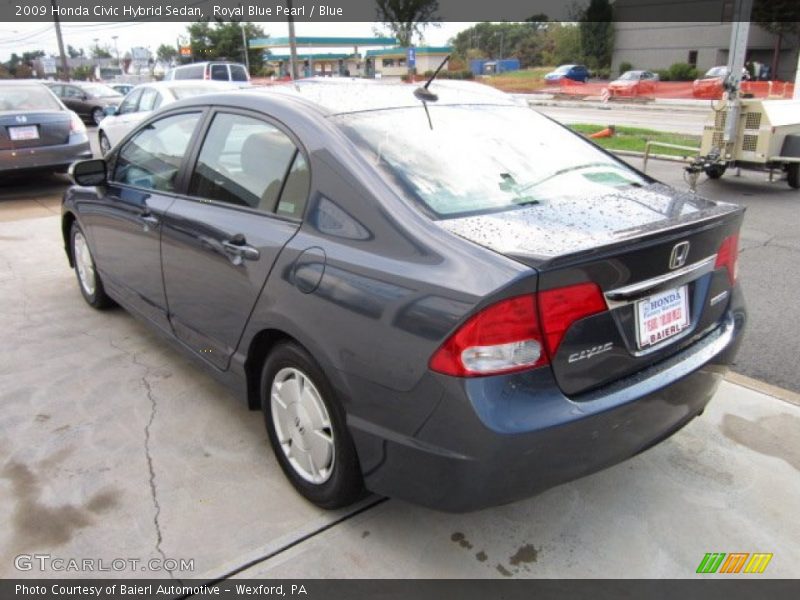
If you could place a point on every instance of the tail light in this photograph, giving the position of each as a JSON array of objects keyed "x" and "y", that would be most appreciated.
[
  {"x": 728, "y": 255},
  {"x": 502, "y": 338},
  {"x": 561, "y": 307},
  {"x": 75, "y": 123},
  {"x": 517, "y": 333}
]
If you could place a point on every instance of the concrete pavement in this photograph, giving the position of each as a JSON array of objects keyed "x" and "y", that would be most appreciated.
[{"x": 113, "y": 445}]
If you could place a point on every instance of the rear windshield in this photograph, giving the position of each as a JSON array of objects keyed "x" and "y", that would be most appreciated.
[
  {"x": 717, "y": 72},
  {"x": 482, "y": 158},
  {"x": 187, "y": 91},
  {"x": 27, "y": 97},
  {"x": 99, "y": 91},
  {"x": 193, "y": 72}
]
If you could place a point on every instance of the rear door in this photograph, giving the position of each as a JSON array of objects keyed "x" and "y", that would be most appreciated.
[
  {"x": 117, "y": 126},
  {"x": 246, "y": 195}
]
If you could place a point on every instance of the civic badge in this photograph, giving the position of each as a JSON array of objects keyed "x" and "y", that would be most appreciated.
[
  {"x": 22, "y": 119},
  {"x": 680, "y": 252}
]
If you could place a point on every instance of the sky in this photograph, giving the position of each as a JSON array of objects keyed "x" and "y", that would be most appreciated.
[{"x": 21, "y": 37}]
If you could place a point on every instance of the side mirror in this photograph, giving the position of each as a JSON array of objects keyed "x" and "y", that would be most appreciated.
[
  {"x": 110, "y": 111},
  {"x": 88, "y": 172}
]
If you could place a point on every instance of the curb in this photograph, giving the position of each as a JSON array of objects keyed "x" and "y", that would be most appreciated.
[
  {"x": 764, "y": 388},
  {"x": 612, "y": 105}
]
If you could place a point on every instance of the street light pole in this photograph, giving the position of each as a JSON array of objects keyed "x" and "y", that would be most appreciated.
[
  {"x": 64, "y": 67},
  {"x": 244, "y": 48}
]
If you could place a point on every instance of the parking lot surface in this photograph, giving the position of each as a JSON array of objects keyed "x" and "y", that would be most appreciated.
[{"x": 114, "y": 445}]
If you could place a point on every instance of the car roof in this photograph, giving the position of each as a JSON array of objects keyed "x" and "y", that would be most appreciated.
[
  {"x": 24, "y": 81},
  {"x": 348, "y": 95}
]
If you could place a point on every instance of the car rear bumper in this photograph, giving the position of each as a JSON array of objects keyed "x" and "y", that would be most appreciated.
[
  {"x": 44, "y": 157},
  {"x": 493, "y": 440}
]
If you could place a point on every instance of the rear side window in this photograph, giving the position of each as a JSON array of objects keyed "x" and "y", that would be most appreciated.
[
  {"x": 238, "y": 73},
  {"x": 244, "y": 161},
  {"x": 150, "y": 99},
  {"x": 191, "y": 72},
  {"x": 153, "y": 157},
  {"x": 219, "y": 72}
]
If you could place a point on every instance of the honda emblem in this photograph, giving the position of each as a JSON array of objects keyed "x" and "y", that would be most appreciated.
[
  {"x": 22, "y": 119},
  {"x": 680, "y": 252}
]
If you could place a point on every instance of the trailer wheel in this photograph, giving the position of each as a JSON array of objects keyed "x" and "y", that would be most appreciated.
[
  {"x": 715, "y": 171},
  {"x": 793, "y": 175}
]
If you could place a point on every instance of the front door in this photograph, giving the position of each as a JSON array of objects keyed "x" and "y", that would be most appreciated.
[
  {"x": 245, "y": 199},
  {"x": 126, "y": 227}
]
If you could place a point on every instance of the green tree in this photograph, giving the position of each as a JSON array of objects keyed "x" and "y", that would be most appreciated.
[
  {"x": 405, "y": 18},
  {"x": 502, "y": 40},
  {"x": 223, "y": 41},
  {"x": 597, "y": 34},
  {"x": 562, "y": 44},
  {"x": 780, "y": 18},
  {"x": 74, "y": 52},
  {"x": 83, "y": 73},
  {"x": 166, "y": 53},
  {"x": 100, "y": 52}
]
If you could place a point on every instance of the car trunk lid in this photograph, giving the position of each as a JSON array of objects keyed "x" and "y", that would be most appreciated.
[
  {"x": 651, "y": 251},
  {"x": 33, "y": 129}
]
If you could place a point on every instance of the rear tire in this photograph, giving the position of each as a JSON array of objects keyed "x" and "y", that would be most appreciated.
[
  {"x": 793, "y": 175},
  {"x": 307, "y": 429},
  {"x": 716, "y": 171},
  {"x": 89, "y": 281}
]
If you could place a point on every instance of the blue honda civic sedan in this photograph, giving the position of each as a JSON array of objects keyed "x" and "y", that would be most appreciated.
[{"x": 433, "y": 294}]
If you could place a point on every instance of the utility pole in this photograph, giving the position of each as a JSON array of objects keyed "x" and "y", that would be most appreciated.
[
  {"x": 64, "y": 67},
  {"x": 740, "y": 27},
  {"x": 796, "y": 94},
  {"x": 292, "y": 44},
  {"x": 244, "y": 48},
  {"x": 116, "y": 48}
]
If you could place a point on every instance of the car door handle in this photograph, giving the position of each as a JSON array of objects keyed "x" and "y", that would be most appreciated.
[
  {"x": 237, "y": 246},
  {"x": 148, "y": 220}
]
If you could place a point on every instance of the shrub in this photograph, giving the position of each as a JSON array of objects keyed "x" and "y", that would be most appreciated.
[
  {"x": 625, "y": 66},
  {"x": 682, "y": 72}
]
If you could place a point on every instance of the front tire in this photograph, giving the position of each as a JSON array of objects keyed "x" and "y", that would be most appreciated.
[
  {"x": 307, "y": 429},
  {"x": 105, "y": 145},
  {"x": 716, "y": 171},
  {"x": 89, "y": 281},
  {"x": 793, "y": 175},
  {"x": 97, "y": 115}
]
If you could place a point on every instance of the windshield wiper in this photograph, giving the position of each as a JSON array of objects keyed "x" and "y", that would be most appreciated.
[{"x": 533, "y": 184}]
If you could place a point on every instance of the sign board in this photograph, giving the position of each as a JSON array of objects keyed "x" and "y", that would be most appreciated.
[
  {"x": 186, "y": 50},
  {"x": 411, "y": 58},
  {"x": 48, "y": 65}
]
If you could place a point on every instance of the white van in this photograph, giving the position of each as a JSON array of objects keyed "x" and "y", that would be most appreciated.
[{"x": 210, "y": 71}]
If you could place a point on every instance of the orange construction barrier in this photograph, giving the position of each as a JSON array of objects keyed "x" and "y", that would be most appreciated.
[{"x": 604, "y": 133}]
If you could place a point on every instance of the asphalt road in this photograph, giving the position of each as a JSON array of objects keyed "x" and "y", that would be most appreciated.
[
  {"x": 675, "y": 121},
  {"x": 770, "y": 255}
]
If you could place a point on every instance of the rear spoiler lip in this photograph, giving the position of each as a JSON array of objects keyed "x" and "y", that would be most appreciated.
[{"x": 672, "y": 230}]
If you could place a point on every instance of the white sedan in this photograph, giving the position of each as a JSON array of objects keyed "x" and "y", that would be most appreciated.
[{"x": 144, "y": 99}]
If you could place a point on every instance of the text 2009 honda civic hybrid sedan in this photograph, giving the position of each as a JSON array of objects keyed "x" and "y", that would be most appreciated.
[{"x": 456, "y": 302}]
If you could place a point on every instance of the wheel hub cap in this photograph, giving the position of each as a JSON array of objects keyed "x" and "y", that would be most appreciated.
[
  {"x": 302, "y": 425},
  {"x": 84, "y": 264}
]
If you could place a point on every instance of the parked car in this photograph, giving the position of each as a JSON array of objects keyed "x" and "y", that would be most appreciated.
[
  {"x": 459, "y": 333},
  {"x": 213, "y": 71},
  {"x": 146, "y": 98},
  {"x": 89, "y": 100},
  {"x": 634, "y": 83},
  {"x": 122, "y": 88},
  {"x": 573, "y": 72},
  {"x": 710, "y": 85},
  {"x": 37, "y": 132}
]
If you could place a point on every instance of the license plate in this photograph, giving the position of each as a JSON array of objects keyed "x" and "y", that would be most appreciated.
[
  {"x": 662, "y": 316},
  {"x": 27, "y": 132}
]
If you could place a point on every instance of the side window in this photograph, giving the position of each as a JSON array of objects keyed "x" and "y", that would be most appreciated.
[
  {"x": 219, "y": 72},
  {"x": 152, "y": 158},
  {"x": 238, "y": 73},
  {"x": 243, "y": 161},
  {"x": 72, "y": 92},
  {"x": 130, "y": 103},
  {"x": 58, "y": 90},
  {"x": 149, "y": 98}
]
